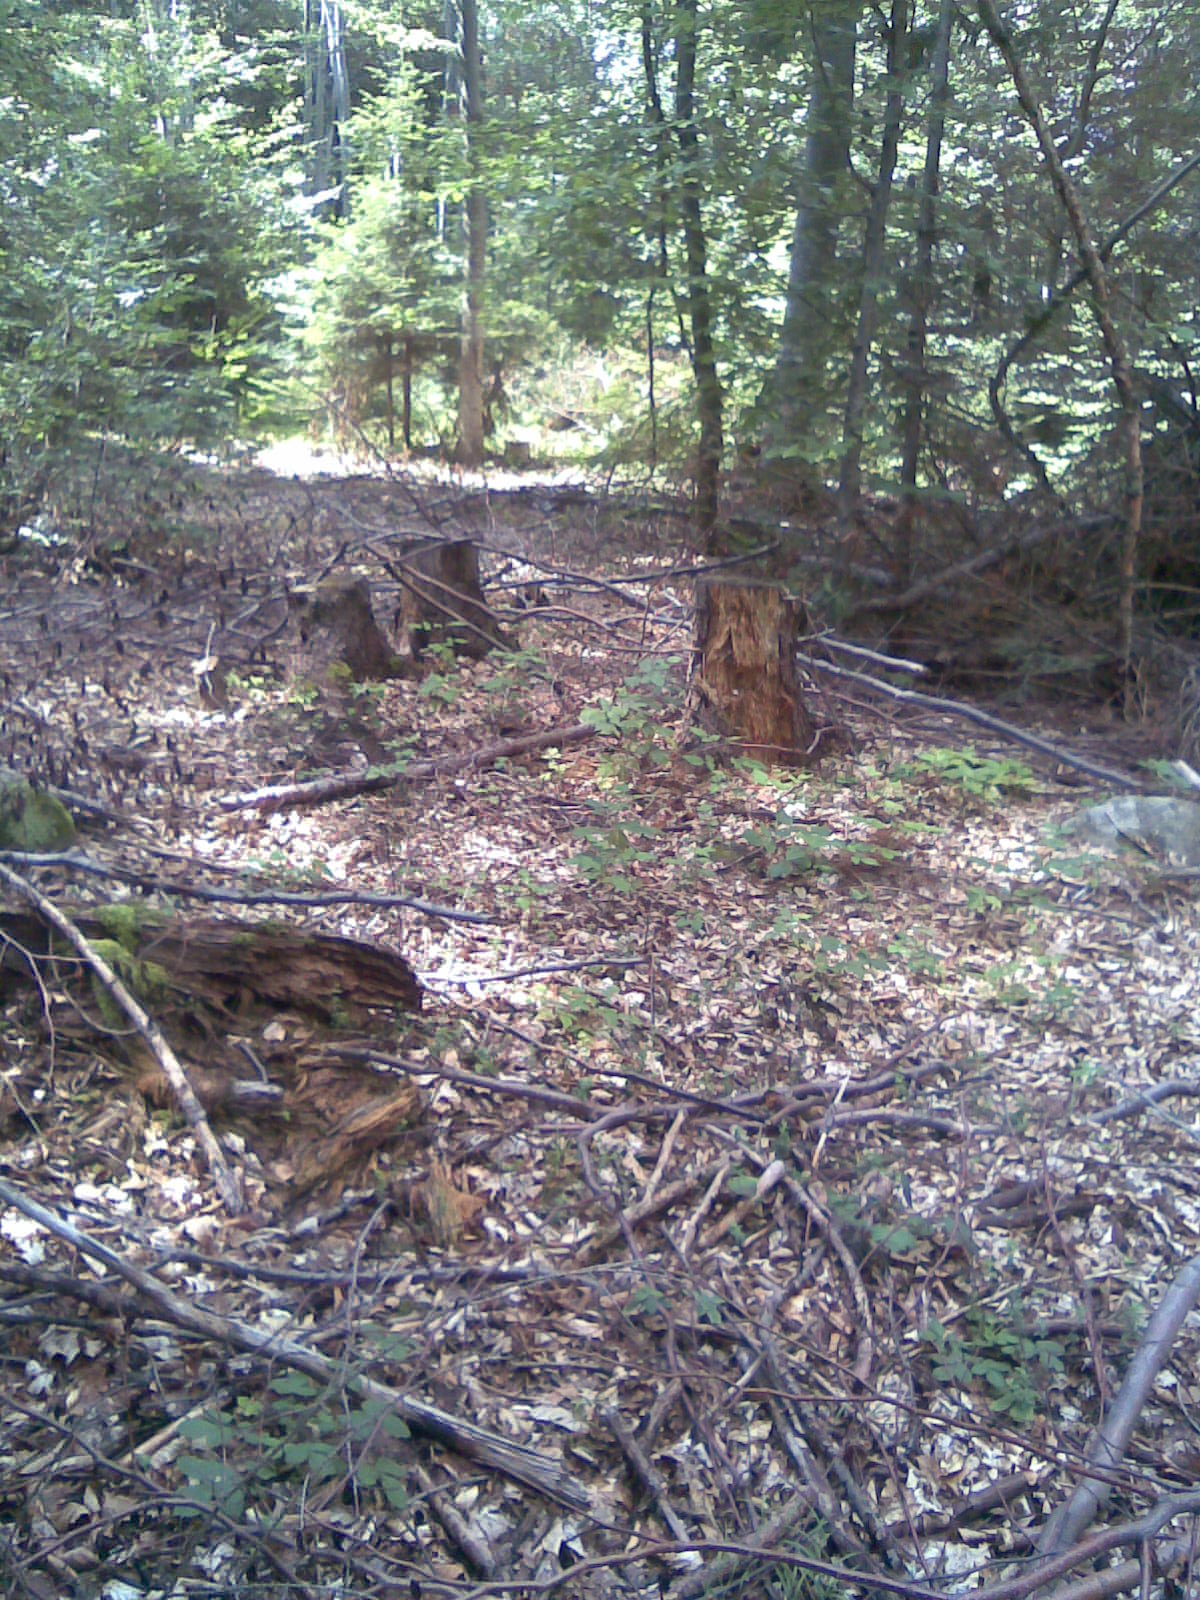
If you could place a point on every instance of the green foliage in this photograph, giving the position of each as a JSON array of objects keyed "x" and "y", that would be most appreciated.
[
  {"x": 986, "y": 778},
  {"x": 998, "y": 1354},
  {"x": 259, "y": 1452}
]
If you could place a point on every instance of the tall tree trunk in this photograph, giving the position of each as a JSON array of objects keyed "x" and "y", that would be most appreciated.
[
  {"x": 326, "y": 102},
  {"x": 796, "y": 388},
  {"x": 704, "y": 361},
  {"x": 1114, "y": 344},
  {"x": 922, "y": 283},
  {"x": 850, "y": 485},
  {"x": 470, "y": 370}
]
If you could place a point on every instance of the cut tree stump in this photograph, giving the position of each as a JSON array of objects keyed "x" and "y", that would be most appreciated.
[
  {"x": 443, "y": 601},
  {"x": 338, "y": 627},
  {"x": 745, "y": 642}
]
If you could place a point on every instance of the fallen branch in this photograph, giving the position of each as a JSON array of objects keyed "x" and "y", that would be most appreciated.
[
  {"x": 517, "y": 1461},
  {"x": 646, "y": 1473},
  {"x": 1148, "y": 1097},
  {"x": 984, "y": 719},
  {"x": 172, "y": 1069},
  {"x": 72, "y": 861},
  {"x": 1109, "y": 1443},
  {"x": 344, "y": 785}
]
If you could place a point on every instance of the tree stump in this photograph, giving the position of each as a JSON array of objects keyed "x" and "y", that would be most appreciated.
[
  {"x": 339, "y": 627},
  {"x": 443, "y": 601},
  {"x": 745, "y": 643}
]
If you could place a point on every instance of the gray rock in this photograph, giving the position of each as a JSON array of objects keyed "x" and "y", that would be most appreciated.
[{"x": 1164, "y": 824}]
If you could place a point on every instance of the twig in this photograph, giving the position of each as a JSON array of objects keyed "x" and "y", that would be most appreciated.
[
  {"x": 341, "y": 786},
  {"x": 193, "y": 1112},
  {"x": 1148, "y": 1097},
  {"x": 470, "y": 1542},
  {"x": 516, "y": 1461},
  {"x": 646, "y": 1473},
  {"x": 708, "y": 1200}
]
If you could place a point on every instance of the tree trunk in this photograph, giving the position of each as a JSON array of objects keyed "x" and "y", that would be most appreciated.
[
  {"x": 745, "y": 647},
  {"x": 326, "y": 100},
  {"x": 704, "y": 361},
  {"x": 406, "y": 394},
  {"x": 389, "y": 356},
  {"x": 443, "y": 601},
  {"x": 795, "y": 392},
  {"x": 922, "y": 280},
  {"x": 1114, "y": 344},
  {"x": 470, "y": 377},
  {"x": 850, "y": 485}
]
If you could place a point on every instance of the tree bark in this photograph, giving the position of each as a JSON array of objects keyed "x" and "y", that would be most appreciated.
[
  {"x": 745, "y": 646},
  {"x": 922, "y": 280},
  {"x": 704, "y": 361},
  {"x": 1114, "y": 344},
  {"x": 796, "y": 388},
  {"x": 850, "y": 485}
]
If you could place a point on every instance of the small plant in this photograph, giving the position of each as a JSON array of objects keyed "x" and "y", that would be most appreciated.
[
  {"x": 302, "y": 1434},
  {"x": 985, "y": 778},
  {"x": 997, "y": 1353}
]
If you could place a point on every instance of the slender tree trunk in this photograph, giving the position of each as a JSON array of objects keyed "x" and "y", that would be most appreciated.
[
  {"x": 922, "y": 282},
  {"x": 470, "y": 372},
  {"x": 389, "y": 356},
  {"x": 796, "y": 388},
  {"x": 850, "y": 486},
  {"x": 704, "y": 361},
  {"x": 1114, "y": 344},
  {"x": 406, "y": 394},
  {"x": 326, "y": 99}
]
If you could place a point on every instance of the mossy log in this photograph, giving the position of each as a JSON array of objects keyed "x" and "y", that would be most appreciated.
[{"x": 745, "y": 642}]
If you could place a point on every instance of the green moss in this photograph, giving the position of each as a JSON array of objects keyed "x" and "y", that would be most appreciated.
[
  {"x": 31, "y": 821},
  {"x": 126, "y": 921}
]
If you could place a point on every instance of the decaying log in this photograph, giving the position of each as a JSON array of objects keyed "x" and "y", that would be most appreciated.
[
  {"x": 342, "y": 785},
  {"x": 148, "y": 1030},
  {"x": 745, "y": 643},
  {"x": 442, "y": 601},
  {"x": 311, "y": 1117}
]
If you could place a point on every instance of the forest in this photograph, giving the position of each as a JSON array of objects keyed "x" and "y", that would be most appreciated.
[{"x": 599, "y": 799}]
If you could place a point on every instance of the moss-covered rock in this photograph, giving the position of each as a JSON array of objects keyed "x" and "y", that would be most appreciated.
[{"x": 31, "y": 820}]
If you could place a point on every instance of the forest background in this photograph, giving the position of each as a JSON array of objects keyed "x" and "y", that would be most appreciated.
[{"x": 820, "y": 238}]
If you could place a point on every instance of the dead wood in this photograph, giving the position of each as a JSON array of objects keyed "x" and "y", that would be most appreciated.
[
  {"x": 1108, "y": 1446},
  {"x": 745, "y": 645},
  {"x": 227, "y": 1183},
  {"x": 971, "y": 566},
  {"x": 645, "y": 1473},
  {"x": 342, "y": 786},
  {"x": 338, "y": 627},
  {"x": 517, "y": 1461},
  {"x": 181, "y": 890},
  {"x": 442, "y": 602},
  {"x": 313, "y": 1118}
]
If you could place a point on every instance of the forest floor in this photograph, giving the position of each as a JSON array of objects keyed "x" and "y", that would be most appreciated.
[{"x": 786, "y": 1155}]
